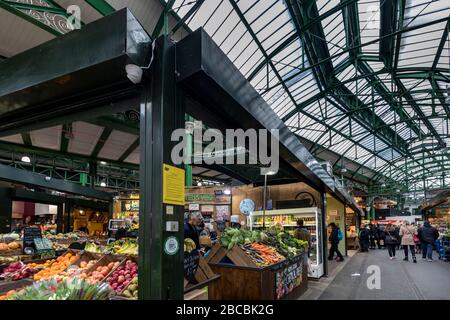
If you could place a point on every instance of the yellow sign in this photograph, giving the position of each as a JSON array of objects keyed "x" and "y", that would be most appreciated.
[{"x": 173, "y": 185}]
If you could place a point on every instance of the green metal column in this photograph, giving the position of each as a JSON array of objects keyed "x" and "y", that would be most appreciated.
[
  {"x": 160, "y": 271},
  {"x": 189, "y": 153}
]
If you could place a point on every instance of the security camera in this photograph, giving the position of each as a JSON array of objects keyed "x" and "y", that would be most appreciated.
[{"x": 134, "y": 73}]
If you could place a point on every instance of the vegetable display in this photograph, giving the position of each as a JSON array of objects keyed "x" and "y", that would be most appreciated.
[
  {"x": 262, "y": 255},
  {"x": 282, "y": 243},
  {"x": 70, "y": 289}
]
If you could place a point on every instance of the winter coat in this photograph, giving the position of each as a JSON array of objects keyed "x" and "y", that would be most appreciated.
[
  {"x": 391, "y": 236},
  {"x": 333, "y": 238},
  {"x": 427, "y": 233},
  {"x": 363, "y": 234},
  {"x": 407, "y": 233},
  {"x": 373, "y": 233}
]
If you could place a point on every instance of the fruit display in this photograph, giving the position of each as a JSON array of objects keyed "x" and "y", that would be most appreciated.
[
  {"x": 262, "y": 255},
  {"x": 69, "y": 289},
  {"x": 8, "y": 295},
  {"x": 123, "y": 276},
  {"x": 57, "y": 266},
  {"x": 100, "y": 273},
  {"x": 77, "y": 271},
  {"x": 124, "y": 246},
  {"x": 59, "y": 246},
  {"x": 131, "y": 292},
  {"x": 9, "y": 259},
  {"x": 17, "y": 271},
  {"x": 283, "y": 243},
  {"x": 189, "y": 245},
  {"x": 73, "y": 236}
]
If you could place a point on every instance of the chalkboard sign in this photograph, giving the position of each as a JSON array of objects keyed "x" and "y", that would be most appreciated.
[
  {"x": 29, "y": 234},
  {"x": 191, "y": 260}
]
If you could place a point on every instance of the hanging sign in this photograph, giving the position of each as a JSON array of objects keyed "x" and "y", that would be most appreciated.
[
  {"x": 222, "y": 213},
  {"x": 173, "y": 185}
]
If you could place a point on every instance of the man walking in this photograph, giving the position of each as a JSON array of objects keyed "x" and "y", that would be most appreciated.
[
  {"x": 427, "y": 236},
  {"x": 334, "y": 242},
  {"x": 301, "y": 233}
]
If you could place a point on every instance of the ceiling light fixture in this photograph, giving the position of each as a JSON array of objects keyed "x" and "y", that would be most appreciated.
[
  {"x": 227, "y": 192},
  {"x": 26, "y": 159},
  {"x": 103, "y": 184}
]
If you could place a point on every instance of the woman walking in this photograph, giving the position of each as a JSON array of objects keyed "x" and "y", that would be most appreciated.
[
  {"x": 391, "y": 240},
  {"x": 408, "y": 233}
]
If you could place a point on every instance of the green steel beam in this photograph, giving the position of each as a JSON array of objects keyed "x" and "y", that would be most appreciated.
[
  {"x": 26, "y": 139},
  {"x": 188, "y": 14},
  {"x": 388, "y": 22},
  {"x": 66, "y": 130},
  {"x": 444, "y": 39},
  {"x": 4, "y": 5},
  {"x": 102, "y": 6},
  {"x": 159, "y": 25},
  {"x": 116, "y": 124},
  {"x": 101, "y": 141},
  {"x": 22, "y": 149}
]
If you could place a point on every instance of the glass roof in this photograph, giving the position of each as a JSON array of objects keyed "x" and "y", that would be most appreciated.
[{"x": 372, "y": 91}]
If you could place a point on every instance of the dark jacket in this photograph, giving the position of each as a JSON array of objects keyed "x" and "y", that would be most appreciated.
[
  {"x": 363, "y": 234},
  {"x": 381, "y": 234},
  {"x": 121, "y": 233},
  {"x": 192, "y": 233},
  {"x": 392, "y": 236},
  {"x": 333, "y": 238},
  {"x": 427, "y": 233},
  {"x": 373, "y": 232}
]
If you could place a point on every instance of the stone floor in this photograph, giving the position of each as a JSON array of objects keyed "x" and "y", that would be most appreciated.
[{"x": 399, "y": 280}]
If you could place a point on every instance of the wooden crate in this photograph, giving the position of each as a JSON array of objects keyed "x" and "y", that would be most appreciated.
[{"x": 105, "y": 260}]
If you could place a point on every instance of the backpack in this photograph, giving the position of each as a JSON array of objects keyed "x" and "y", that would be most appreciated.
[{"x": 340, "y": 235}]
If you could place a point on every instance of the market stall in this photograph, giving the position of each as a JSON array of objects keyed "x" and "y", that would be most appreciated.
[{"x": 258, "y": 265}]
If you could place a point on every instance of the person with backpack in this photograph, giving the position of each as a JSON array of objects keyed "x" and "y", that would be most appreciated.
[
  {"x": 408, "y": 235},
  {"x": 334, "y": 238},
  {"x": 301, "y": 233},
  {"x": 427, "y": 236},
  {"x": 363, "y": 238},
  {"x": 391, "y": 240}
]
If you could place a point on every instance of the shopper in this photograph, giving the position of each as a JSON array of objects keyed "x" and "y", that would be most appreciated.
[
  {"x": 301, "y": 233},
  {"x": 334, "y": 242},
  {"x": 407, "y": 234},
  {"x": 191, "y": 227},
  {"x": 363, "y": 238},
  {"x": 391, "y": 240},
  {"x": 381, "y": 236},
  {"x": 84, "y": 229},
  {"x": 122, "y": 231},
  {"x": 372, "y": 236},
  {"x": 427, "y": 236}
]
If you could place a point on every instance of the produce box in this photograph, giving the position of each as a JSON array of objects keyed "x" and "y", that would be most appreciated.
[
  {"x": 128, "y": 276},
  {"x": 109, "y": 261},
  {"x": 14, "y": 285}
]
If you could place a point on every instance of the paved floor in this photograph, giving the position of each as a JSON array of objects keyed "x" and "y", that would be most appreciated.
[{"x": 399, "y": 280}]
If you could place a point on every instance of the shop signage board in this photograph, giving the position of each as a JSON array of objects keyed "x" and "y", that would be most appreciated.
[
  {"x": 222, "y": 213},
  {"x": 333, "y": 212},
  {"x": 194, "y": 207},
  {"x": 289, "y": 277},
  {"x": 207, "y": 198},
  {"x": 29, "y": 234},
  {"x": 130, "y": 205},
  {"x": 173, "y": 185},
  {"x": 191, "y": 261},
  {"x": 207, "y": 208}
]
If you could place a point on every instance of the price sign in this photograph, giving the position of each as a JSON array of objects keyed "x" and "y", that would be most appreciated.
[
  {"x": 29, "y": 234},
  {"x": 191, "y": 260}
]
